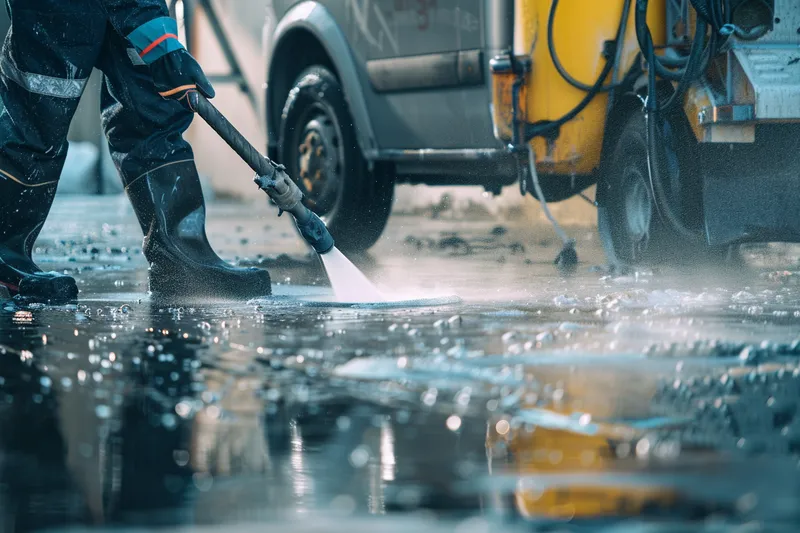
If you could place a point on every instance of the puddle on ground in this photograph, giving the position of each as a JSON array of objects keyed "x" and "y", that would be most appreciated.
[{"x": 659, "y": 401}]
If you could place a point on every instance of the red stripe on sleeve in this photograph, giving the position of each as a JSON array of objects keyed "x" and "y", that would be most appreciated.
[{"x": 157, "y": 42}]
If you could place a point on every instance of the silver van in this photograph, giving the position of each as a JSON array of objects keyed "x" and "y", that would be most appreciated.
[{"x": 363, "y": 94}]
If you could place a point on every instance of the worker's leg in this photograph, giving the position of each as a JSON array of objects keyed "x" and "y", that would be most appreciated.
[
  {"x": 145, "y": 134},
  {"x": 46, "y": 58}
]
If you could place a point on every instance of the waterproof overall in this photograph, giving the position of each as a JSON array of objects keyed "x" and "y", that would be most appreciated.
[{"x": 46, "y": 60}]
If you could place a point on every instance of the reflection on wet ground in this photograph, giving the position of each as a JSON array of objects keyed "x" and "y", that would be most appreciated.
[{"x": 656, "y": 401}]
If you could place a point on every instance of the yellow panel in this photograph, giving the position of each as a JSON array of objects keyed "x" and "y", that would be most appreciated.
[{"x": 580, "y": 30}]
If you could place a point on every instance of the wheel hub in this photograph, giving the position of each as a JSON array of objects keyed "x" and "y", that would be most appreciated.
[
  {"x": 319, "y": 162},
  {"x": 638, "y": 211}
]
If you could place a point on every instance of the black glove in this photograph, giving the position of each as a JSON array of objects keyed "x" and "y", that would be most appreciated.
[{"x": 175, "y": 72}]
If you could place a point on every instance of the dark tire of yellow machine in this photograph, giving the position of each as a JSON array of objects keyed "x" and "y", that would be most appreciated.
[
  {"x": 631, "y": 229},
  {"x": 356, "y": 201}
]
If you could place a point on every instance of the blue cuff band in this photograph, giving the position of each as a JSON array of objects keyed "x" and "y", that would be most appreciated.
[{"x": 156, "y": 38}]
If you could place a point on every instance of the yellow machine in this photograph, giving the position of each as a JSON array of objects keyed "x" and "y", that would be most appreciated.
[
  {"x": 580, "y": 30},
  {"x": 681, "y": 111}
]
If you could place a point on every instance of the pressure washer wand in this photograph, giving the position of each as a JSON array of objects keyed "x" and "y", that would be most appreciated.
[{"x": 270, "y": 176}]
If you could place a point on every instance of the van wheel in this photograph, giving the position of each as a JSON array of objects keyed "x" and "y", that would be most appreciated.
[
  {"x": 318, "y": 145},
  {"x": 631, "y": 229}
]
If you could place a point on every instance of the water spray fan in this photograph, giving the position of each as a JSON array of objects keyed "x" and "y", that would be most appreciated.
[{"x": 270, "y": 176}]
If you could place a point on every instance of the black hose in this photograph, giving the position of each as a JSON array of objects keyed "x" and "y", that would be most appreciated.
[
  {"x": 660, "y": 65},
  {"x": 654, "y": 109},
  {"x": 254, "y": 159},
  {"x": 311, "y": 228},
  {"x": 693, "y": 68},
  {"x": 663, "y": 205},
  {"x": 719, "y": 15},
  {"x": 547, "y": 127},
  {"x": 544, "y": 127},
  {"x": 717, "y": 18},
  {"x": 696, "y": 63},
  {"x": 620, "y": 37},
  {"x": 704, "y": 10}
]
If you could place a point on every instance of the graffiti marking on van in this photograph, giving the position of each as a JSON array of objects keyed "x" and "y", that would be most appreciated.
[{"x": 360, "y": 11}]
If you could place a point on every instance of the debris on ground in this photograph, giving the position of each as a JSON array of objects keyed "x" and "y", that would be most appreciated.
[
  {"x": 458, "y": 244},
  {"x": 455, "y": 245},
  {"x": 784, "y": 277},
  {"x": 499, "y": 231}
]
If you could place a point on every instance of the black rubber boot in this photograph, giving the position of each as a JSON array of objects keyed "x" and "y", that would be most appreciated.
[
  {"x": 169, "y": 204},
  {"x": 23, "y": 211}
]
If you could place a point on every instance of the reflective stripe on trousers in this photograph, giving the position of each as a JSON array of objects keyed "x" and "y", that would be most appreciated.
[{"x": 40, "y": 84}]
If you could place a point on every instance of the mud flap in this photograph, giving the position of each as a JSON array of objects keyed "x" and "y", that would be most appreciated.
[{"x": 749, "y": 208}]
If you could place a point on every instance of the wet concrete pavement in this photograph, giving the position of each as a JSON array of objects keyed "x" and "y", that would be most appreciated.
[{"x": 656, "y": 401}]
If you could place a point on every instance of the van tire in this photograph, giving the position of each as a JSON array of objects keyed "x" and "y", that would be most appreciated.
[{"x": 318, "y": 144}]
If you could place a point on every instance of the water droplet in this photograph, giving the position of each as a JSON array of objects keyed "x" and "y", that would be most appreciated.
[
  {"x": 343, "y": 423},
  {"x": 273, "y": 395},
  {"x": 502, "y": 427},
  {"x": 181, "y": 457},
  {"x": 203, "y": 481},
  {"x": 429, "y": 397},
  {"x": 169, "y": 421},
  {"x": 643, "y": 448},
  {"x": 454, "y": 423},
  {"x": 183, "y": 409},
  {"x": 359, "y": 457}
]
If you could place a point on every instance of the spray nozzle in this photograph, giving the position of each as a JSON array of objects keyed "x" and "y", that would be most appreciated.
[
  {"x": 288, "y": 197},
  {"x": 314, "y": 231}
]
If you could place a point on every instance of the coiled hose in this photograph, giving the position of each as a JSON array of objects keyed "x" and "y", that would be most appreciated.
[
  {"x": 548, "y": 127},
  {"x": 694, "y": 67},
  {"x": 611, "y": 56}
]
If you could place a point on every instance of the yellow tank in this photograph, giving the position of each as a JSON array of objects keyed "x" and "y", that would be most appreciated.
[{"x": 580, "y": 30}]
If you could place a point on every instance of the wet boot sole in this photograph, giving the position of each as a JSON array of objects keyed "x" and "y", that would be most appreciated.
[
  {"x": 56, "y": 290},
  {"x": 210, "y": 285}
]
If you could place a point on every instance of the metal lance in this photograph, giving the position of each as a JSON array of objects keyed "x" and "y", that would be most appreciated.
[{"x": 270, "y": 176}]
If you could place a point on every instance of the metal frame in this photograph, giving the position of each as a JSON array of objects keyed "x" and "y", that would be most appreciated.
[
  {"x": 236, "y": 74},
  {"x": 677, "y": 10}
]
